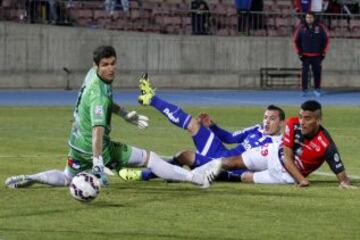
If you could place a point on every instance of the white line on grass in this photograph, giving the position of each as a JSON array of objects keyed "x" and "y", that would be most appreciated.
[
  {"x": 332, "y": 174},
  {"x": 31, "y": 156}
]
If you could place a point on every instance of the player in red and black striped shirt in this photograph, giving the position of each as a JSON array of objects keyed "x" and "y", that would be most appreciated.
[{"x": 307, "y": 145}]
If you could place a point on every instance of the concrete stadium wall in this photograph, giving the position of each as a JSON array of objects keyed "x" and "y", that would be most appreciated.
[{"x": 33, "y": 56}]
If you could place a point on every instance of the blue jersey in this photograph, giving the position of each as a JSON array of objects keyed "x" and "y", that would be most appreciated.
[{"x": 209, "y": 142}]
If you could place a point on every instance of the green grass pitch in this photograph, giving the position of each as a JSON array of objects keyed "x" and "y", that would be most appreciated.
[{"x": 34, "y": 139}]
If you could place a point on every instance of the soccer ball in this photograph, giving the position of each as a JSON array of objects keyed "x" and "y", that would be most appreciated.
[{"x": 84, "y": 187}]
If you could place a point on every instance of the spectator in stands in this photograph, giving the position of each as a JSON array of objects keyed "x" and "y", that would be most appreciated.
[
  {"x": 110, "y": 6},
  {"x": 52, "y": 10},
  {"x": 200, "y": 17},
  {"x": 302, "y": 6},
  {"x": 311, "y": 42},
  {"x": 256, "y": 14},
  {"x": 243, "y": 8},
  {"x": 36, "y": 14},
  {"x": 305, "y": 6},
  {"x": 330, "y": 7},
  {"x": 316, "y": 6}
]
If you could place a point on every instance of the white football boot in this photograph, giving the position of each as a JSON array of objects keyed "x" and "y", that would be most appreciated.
[
  {"x": 18, "y": 181},
  {"x": 209, "y": 170}
]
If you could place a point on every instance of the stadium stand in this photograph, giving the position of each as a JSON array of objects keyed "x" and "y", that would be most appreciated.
[{"x": 278, "y": 17}]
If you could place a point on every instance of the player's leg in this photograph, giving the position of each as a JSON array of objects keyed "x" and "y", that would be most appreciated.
[
  {"x": 275, "y": 172},
  {"x": 173, "y": 113},
  {"x": 234, "y": 175},
  {"x": 316, "y": 69},
  {"x": 304, "y": 75},
  {"x": 234, "y": 162},
  {"x": 51, "y": 177},
  {"x": 185, "y": 158},
  {"x": 136, "y": 157}
]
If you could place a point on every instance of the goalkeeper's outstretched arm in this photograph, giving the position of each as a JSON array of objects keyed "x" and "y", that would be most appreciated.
[{"x": 132, "y": 117}]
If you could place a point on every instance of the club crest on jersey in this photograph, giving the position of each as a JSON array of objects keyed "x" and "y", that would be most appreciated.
[
  {"x": 73, "y": 163},
  {"x": 99, "y": 110},
  {"x": 299, "y": 152}
]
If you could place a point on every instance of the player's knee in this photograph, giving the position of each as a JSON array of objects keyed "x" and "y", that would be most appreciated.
[
  {"x": 185, "y": 157},
  {"x": 247, "y": 177},
  {"x": 233, "y": 162}
]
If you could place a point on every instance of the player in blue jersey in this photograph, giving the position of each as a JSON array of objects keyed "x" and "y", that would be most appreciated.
[{"x": 209, "y": 139}]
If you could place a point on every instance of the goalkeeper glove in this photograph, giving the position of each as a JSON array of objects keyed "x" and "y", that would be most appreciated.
[
  {"x": 134, "y": 118},
  {"x": 138, "y": 120},
  {"x": 98, "y": 170}
]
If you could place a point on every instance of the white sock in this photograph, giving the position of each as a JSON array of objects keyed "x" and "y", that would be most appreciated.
[
  {"x": 51, "y": 177},
  {"x": 168, "y": 171}
]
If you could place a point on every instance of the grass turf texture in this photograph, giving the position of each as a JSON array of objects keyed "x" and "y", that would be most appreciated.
[{"x": 34, "y": 139}]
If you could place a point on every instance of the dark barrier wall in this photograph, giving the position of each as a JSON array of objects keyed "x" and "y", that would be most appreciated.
[{"x": 34, "y": 56}]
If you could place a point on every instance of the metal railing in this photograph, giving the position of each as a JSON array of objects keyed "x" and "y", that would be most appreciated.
[{"x": 173, "y": 20}]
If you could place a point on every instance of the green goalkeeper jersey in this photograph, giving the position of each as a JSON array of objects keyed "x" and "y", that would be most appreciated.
[{"x": 93, "y": 108}]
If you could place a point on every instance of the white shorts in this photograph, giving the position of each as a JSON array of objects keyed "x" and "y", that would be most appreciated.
[
  {"x": 256, "y": 159},
  {"x": 275, "y": 172}
]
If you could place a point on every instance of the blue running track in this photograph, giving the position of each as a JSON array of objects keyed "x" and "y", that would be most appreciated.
[{"x": 182, "y": 97}]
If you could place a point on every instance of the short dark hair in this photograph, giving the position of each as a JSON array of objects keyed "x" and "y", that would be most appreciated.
[
  {"x": 311, "y": 13},
  {"x": 276, "y": 108},
  {"x": 103, "y": 52},
  {"x": 312, "y": 106}
]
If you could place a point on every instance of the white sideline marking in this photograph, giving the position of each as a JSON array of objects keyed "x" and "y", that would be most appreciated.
[
  {"x": 32, "y": 156},
  {"x": 332, "y": 174}
]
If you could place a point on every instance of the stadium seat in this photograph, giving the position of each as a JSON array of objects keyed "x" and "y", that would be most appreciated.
[
  {"x": 258, "y": 33},
  {"x": 133, "y": 5},
  {"x": 284, "y": 31},
  {"x": 355, "y": 25},
  {"x": 222, "y": 32},
  {"x": 233, "y": 22},
  {"x": 134, "y": 14},
  {"x": 8, "y": 3},
  {"x": 282, "y": 22},
  {"x": 270, "y": 21},
  {"x": 268, "y": 8},
  {"x": 83, "y": 17},
  {"x": 272, "y": 33},
  {"x": 148, "y": 5},
  {"x": 101, "y": 17}
]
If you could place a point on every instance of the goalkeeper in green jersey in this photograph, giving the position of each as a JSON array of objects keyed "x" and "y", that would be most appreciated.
[{"x": 90, "y": 147}]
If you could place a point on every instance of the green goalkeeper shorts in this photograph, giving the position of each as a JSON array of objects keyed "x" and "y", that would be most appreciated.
[{"x": 115, "y": 158}]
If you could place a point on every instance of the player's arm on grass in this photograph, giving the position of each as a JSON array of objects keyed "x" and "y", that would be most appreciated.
[
  {"x": 336, "y": 165},
  {"x": 132, "y": 117},
  {"x": 292, "y": 169}
]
